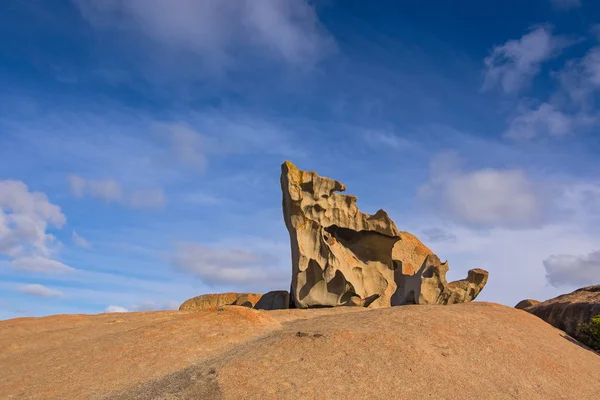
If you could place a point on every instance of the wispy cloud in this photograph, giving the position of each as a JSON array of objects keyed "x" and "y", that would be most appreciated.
[
  {"x": 40, "y": 264},
  {"x": 513, "y": 64},
  {"x": 80, "y": 240},
  {"x": 387, "y": 139},
  {"x": 216, "y": 31},
  {"x": 39, "y": 290},
  {"x": 580, "y": 78},
  {"x": 221, "y": 266},
  {"x": 545, "y": 119},
  {"x": 111, "y": 191}
]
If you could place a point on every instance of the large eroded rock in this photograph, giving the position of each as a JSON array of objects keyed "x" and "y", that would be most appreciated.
[
  {"x": 567, "y": 311},
  {"x": 341, "y": 256}
]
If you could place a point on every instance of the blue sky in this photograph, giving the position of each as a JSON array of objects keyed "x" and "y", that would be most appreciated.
[{"x": 140, "y": 141}]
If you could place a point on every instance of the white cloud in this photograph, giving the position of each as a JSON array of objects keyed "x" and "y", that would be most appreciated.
[
  {"x": 223, "y": 266},
  {"x": 25, "y": 217},
  {"x": 115, "y": 309},
  {"x": 111, "y": 191},
  {"x": 40, "y": 264},
  {"x": 216, "y": 30},
  {"x": 39, "y": 290},
  {"x": 566, "y": 4},
  {"x": 530, "y": 123},
  {"x": 572, "y": 270},
  {"x": 513, "y": 64},
  {"x": 481, "y": 198},
  {"x": 80, "y": 240},
  {"x": 580, "y": 78},
  {"x": 514, "y": 258}
]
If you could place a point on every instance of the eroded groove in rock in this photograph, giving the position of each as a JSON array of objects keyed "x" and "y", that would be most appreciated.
[{"x": 341, "y": 256}]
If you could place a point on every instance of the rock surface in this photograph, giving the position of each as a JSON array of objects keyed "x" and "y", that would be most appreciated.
[
  {"x": 464, "y": 351},
  {"x": 567, "y": 311},
  {"x": 524, "y": 304},
  {"x": 205, "y": 301},
  {"x": 429, "y": 285},
  {"x": 275, "y": 300},
  {"x": 341, "y": 256}
]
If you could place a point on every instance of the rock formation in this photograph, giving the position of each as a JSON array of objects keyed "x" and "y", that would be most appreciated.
[
  {"x": 567, "y": 311},
  {"x": 429, "y": 285},
  {"x": 205, "y": 301},
  {"x": 341, "y": 256},
  {"x": 525, "y": 304},
  {"x": 472, "y": 351},
  {"x": 275, "y": 300}
]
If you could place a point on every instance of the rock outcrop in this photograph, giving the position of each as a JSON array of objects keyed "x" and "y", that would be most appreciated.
[
  {"x": 341, "y": 256},
  {"x": 525, "y": 304},
  {"x": 469, "y": 351},
  {"x": 275, "y": 300},
  {"x": 567, "y": 311},
  {"x": 429, "y": 285},
  {"x": 206, "y": 301}
]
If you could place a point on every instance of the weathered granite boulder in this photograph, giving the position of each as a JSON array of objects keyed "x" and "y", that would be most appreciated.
[
  {"x": 429, "y": 285},
  {"x": 205, "y": 301},
  {"x": 567, "y": 311},
  {"x": 525, "y": 304},
  {"x": 275, "y": 300},
  {"x": 341, "y": 256}
]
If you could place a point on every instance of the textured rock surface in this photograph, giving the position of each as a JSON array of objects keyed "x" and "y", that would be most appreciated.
[
  {"x": 275, "y": 300},
  {"x": 429, "y": 285},
  {"x": 341, "y": 256},
  {"x": 205, "y": 301},
  {"x": 567, "y": 311},
  {"x": 91, "y": 356},
  {"x": 523, "y": 304},
  {"x": 477, "y": 351}
]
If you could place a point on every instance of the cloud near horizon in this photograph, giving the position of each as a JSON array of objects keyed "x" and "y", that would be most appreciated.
[
  {"x": 221, "y": 266},
  {"x": 481, "y": 198}
]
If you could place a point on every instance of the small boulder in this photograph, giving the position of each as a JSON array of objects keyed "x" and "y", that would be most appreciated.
[
  {"x": 247, "y": 300},
  {"x": 525, "y": 304},
  {"x": 275, "y": 300},
  {"x": 205, "y": 301}
]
